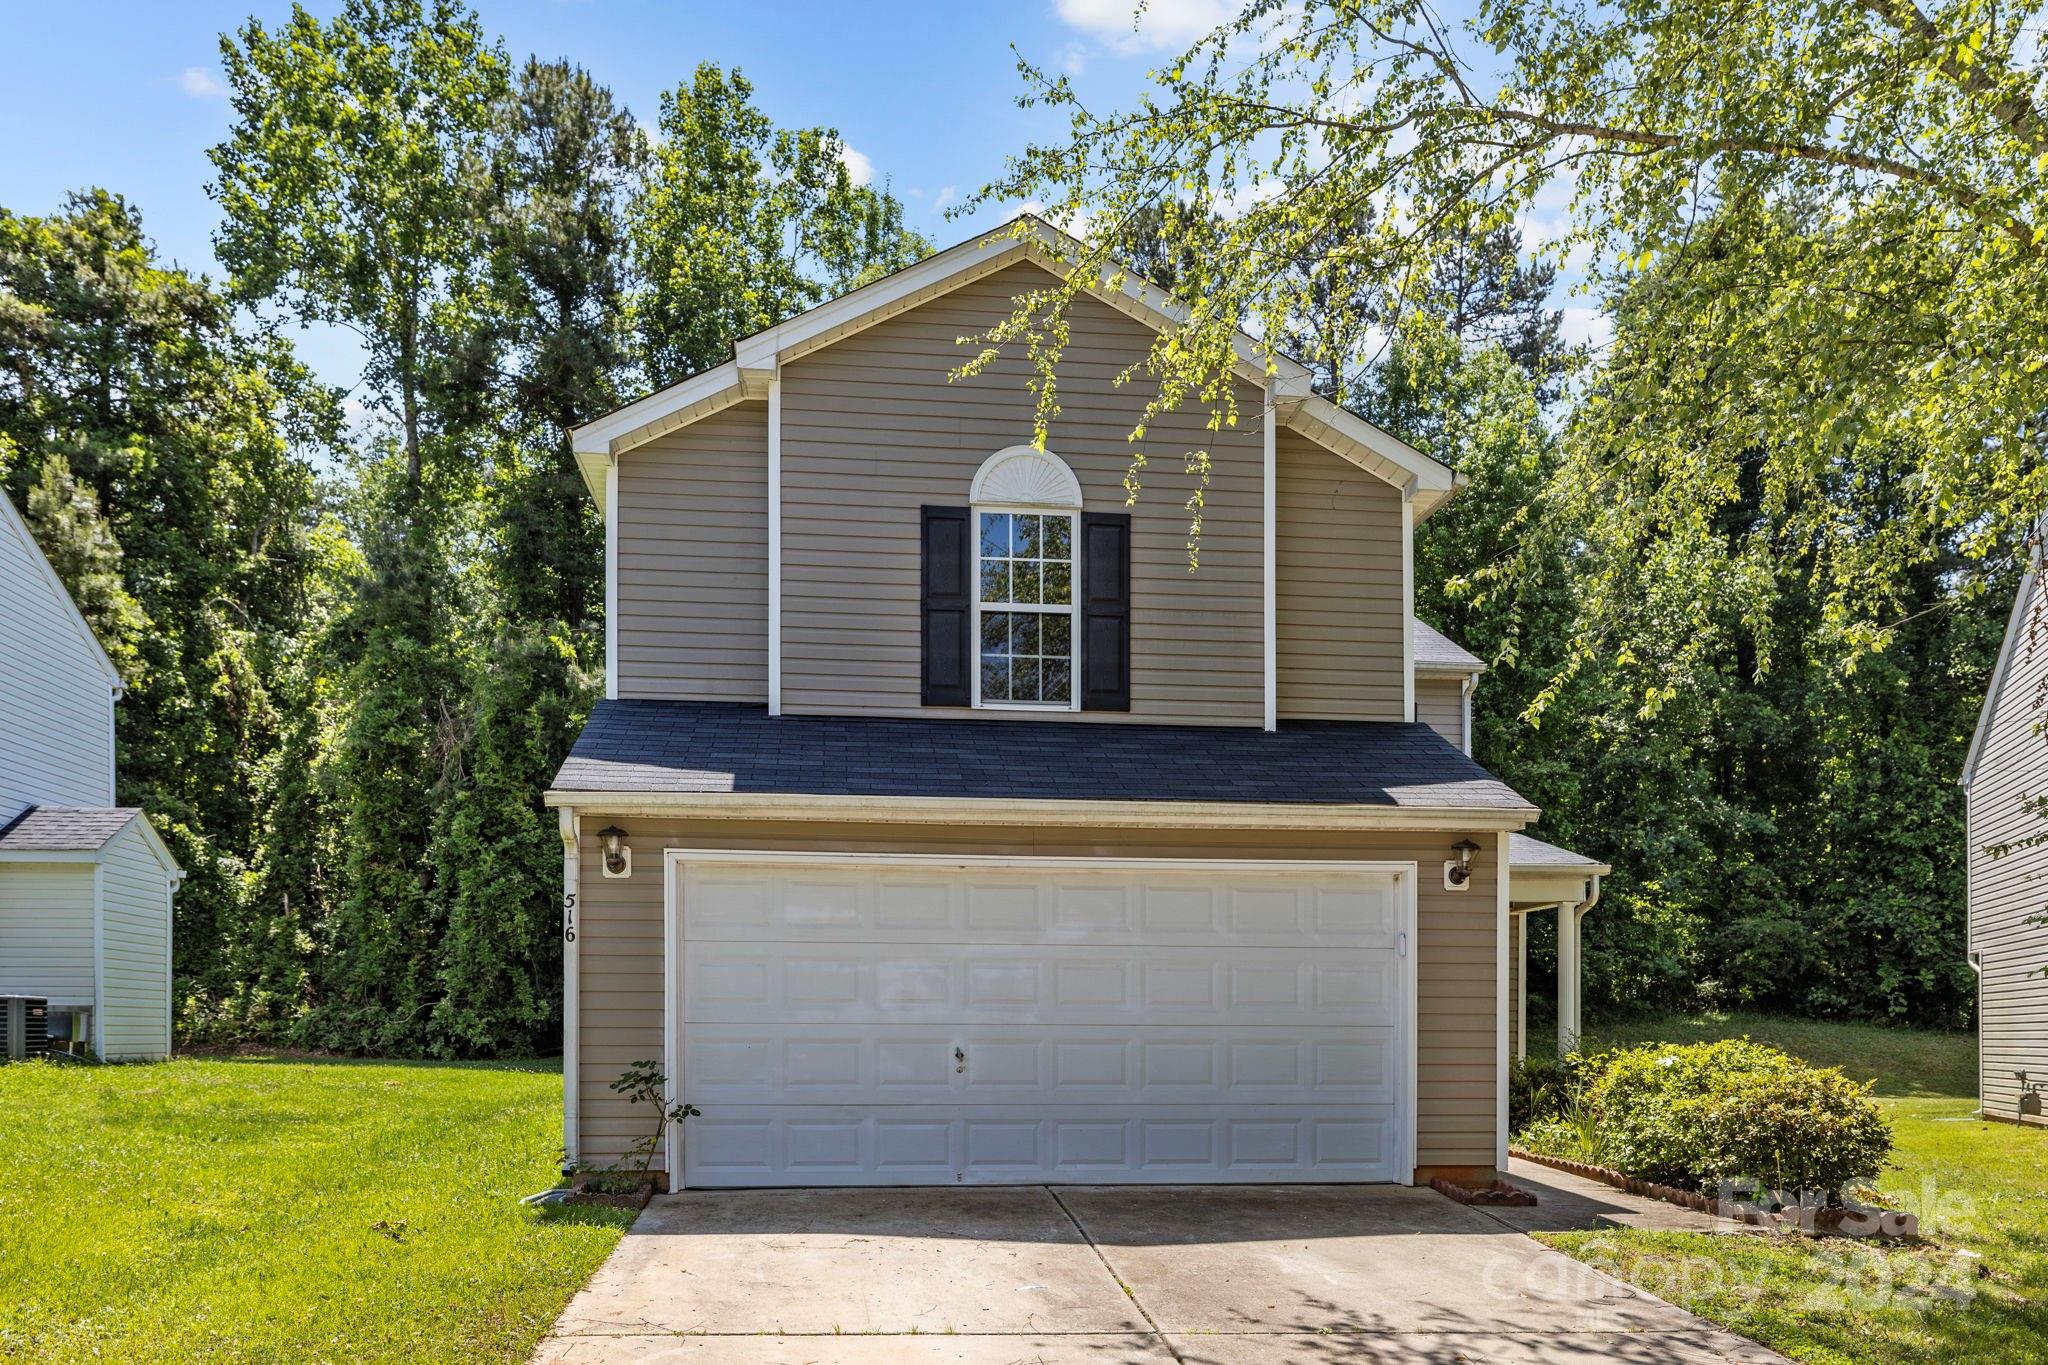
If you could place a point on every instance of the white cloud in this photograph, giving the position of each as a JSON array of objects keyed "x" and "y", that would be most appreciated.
[
  {"x": 946, "y": 195},
  {"x": 1163, "y": 25},
  {"x": 857, "y": 165},
  {"x": 202, "y": 83},
  {"x": 1589, "y": 325}
]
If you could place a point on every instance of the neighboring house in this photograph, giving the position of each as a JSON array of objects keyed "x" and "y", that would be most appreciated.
[
  {"x": 941, "y": 826},
  {"x": 85, "y": 886},
  {"x": 2005, "y": 786}
]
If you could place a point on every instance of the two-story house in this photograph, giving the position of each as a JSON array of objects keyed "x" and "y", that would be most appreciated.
[
  {"x": 85, "y": 886},
  {"x": 942, "y": 825}
]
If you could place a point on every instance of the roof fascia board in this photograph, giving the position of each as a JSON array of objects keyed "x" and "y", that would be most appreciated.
[
  {"x": 1430, "y": 483},
  {"x": 598, "y": 435},
  {"x": 56, "y": 586},
  {"x": 1130, "y": 814},
  {"x": 1450, "y": 670},
  {"x": 2015, "y": 623},
  {"x": 591, "y": 464},
  {"x": 757, "y": 356},
  {"x": 156, "y": 844}
]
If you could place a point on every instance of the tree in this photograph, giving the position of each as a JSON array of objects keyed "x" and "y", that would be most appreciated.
[
  {"x": 1851, "y": 206},
  {"x": 64, "y": 516},
  {"x": 553, "y": 343},
  {"x": 344, "y": 183},
  {"x": 162, "y": 456},
  {"x": 390, "y": 763},
  {"x": 497, "y": 853},
  {"x": 740, "y": 225}
]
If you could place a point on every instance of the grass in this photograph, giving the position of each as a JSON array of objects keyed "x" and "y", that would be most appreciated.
[
  {"x": 268, "y": 1210},
  {"x": 1978, "y": 1188}
]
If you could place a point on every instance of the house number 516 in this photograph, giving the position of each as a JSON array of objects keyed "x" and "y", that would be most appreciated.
[{"x": 569, "y": 917}]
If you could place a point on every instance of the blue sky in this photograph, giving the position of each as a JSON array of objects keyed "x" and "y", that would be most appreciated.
[{"x": 128, "y": 96}]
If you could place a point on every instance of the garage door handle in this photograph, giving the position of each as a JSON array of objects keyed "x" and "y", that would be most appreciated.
[
  {"x": 1400, "y": 945},
  {"x": 959, "y": 1061}
]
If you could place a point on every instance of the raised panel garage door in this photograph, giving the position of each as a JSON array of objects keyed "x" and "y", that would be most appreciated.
[{"x": 937, "y": 1023}]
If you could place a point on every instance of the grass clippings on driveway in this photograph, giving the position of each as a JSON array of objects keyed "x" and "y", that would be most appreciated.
[{"x": 252, "y": 1210}]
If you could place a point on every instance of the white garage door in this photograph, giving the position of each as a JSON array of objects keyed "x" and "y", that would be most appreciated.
[{"x": 931, "y": 1023}]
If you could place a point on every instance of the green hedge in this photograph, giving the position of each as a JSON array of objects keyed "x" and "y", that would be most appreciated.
[{"x": 1697, "y": 1115}]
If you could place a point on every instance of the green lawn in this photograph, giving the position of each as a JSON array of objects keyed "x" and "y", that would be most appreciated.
[
  {"x": 258, "y": 1210},
  {"x": 1977, "y": 1186}
]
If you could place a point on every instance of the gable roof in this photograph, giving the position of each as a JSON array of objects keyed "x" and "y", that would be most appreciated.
[
  {"x": 1436, "y": 652},
  {"x": 2015, "y": 628},
  {"x": 17, "y": 529},
  {"x": 40, "y": 830},
  {"x": 64, "y": 829},
  {"x": 1025, "y": 238}
]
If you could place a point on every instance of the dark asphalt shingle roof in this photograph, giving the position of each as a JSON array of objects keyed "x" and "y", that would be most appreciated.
[
  {"x": 61, "y": 829},
  {"x": 1434, "y": 649},
  {"x": 709, "y": 747}
]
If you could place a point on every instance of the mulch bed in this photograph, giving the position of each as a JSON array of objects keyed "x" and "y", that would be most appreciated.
[
  {"x": 635, "y": 1199},
  {"x": 1498, "y": 1195},
  {"x": 1854, "y": 1220}
]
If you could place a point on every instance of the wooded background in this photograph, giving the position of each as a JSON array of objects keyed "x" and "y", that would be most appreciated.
[{"x": 1739, "y": 575}]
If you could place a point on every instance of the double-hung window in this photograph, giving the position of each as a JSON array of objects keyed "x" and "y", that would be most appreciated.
[{"x": 1024, "y": 609}]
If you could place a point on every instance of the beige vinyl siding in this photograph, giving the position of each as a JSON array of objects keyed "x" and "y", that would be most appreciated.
[
  {"x": 46, "y": 931},
  {"x": 1337, "y": 588},
  {"x": 693, "y": 562},
  {"x": 2005, "y": 892},
  {"x": 1440, "y": 704},
  {"x": 56, "y": 701},
  {"x": 872, "y": 430},
  {"x": 135, "y": 948},
  {"x": 620, "y": 947}
]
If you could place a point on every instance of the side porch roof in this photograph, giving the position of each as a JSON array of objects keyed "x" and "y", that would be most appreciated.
[{"x": 77, "y": 834}]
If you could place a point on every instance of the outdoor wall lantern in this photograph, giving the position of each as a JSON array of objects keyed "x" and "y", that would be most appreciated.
[
  {"x": 1459, "y": 872},
  {"x": 618, "y": 856}
]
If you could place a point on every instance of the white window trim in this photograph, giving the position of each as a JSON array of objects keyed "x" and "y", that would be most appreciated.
[{"x": 1072, "y": 610}]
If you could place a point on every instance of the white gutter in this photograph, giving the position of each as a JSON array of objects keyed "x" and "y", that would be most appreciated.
[{"x": 984, "y": 811}]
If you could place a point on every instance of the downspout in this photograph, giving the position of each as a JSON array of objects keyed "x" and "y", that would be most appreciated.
[
  {"x": 572, "y": 883},
  {"x": 1465, "y": 690},
  {"x": 1579, "y": 960}
]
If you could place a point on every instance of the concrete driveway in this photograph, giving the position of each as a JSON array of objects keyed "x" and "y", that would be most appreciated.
[{"x": 1106, "y": 1275}]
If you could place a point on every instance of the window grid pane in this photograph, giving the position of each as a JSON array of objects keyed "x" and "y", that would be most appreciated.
[{"x": 1026, "y": 561}]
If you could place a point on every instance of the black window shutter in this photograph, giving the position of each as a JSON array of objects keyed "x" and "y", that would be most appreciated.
[
  {"x": 1105, "y": 611},
  {"x": 948, "y": 609}
]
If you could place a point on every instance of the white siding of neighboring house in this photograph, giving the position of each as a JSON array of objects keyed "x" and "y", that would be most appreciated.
[
  {"x": 46, "y": 931},
  {"x": 135, "y": 949},
  {"x": 2007, "y": 891},
  {"x": 56, "y": 698}
]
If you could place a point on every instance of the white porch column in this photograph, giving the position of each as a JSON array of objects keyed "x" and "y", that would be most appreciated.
[
  {"x": 1567, "y": 976},
  {"x": 1522, "y": 986}
]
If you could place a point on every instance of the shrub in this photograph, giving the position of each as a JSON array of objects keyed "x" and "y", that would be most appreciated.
[
  {"x": 1734, "y": 1110},
  {"x": 1814, "y": 1129},
  {"x": 1535, "y": 1091}
]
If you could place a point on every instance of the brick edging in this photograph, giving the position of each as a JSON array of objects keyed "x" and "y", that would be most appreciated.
[
  {"x": 1889, "y": 1223},
  {"x": 1499, "y": 1195}
]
